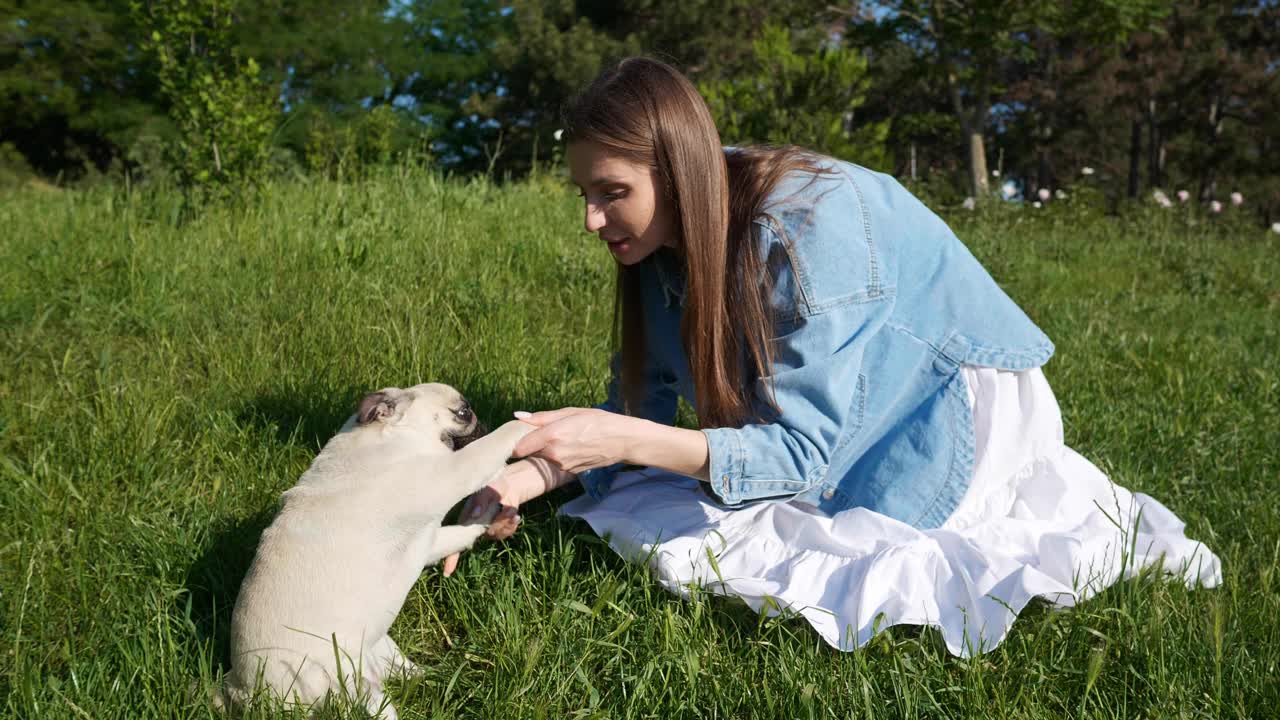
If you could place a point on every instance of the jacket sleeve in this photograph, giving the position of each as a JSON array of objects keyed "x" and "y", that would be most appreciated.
[
  {"x": 815, "y": 375},
  {"x": 658, "y": 404}
]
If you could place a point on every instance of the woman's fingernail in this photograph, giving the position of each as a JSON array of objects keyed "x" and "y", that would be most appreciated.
[{"x": 521, "y": 414}]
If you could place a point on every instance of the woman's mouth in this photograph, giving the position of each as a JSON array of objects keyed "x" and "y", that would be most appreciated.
[{"x": 619, "y": 246}]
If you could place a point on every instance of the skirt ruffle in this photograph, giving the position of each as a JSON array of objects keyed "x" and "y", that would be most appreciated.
[{"x": 1039, "y": 521}]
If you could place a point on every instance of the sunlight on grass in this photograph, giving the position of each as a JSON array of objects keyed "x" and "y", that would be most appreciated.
[{"x": 165, "y": 377}]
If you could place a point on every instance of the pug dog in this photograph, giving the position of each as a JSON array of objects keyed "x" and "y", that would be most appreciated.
[{"x": 352, "y": 536}]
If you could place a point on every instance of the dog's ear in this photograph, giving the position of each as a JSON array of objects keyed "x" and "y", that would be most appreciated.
[{"x": 375, "y": 406}]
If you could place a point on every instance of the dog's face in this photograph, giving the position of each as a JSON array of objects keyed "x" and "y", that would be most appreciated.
[{"x": 437, "y": 411}]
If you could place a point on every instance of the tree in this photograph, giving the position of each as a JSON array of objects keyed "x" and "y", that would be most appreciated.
[
  {"x": 74, "y": 91},
  {"x": 1059, "y": 105},
  {"x": 553, "y": 48},
  {"x": 224, "y": 111},
  {"x": 971, "y": 43},
  {"x": 806, "y": 96},
  {"x": 1231, "y": 82}
]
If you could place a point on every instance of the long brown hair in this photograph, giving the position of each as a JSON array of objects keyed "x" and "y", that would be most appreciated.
[{"x": 646, "y": 112}]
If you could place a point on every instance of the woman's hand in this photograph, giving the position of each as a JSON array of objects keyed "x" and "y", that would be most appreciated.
[
  {"x": 519, "y": 483},
  {"x": 578, "y": 439},
  {"x": 571, "y": 441}
]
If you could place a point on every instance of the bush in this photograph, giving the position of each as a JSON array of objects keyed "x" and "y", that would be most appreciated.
[
  {"x": 799, "y": 96},
  {"x": 225, "y": 113},
  {"x": 379, "y": 137},
  {"x": 14, "y": 168}
]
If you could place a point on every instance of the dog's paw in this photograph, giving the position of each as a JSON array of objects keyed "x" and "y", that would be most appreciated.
[
  {"x": 516, "y": 429},
  {"x": 481, "y": 508},
  {"x": 504, "y": 524}
]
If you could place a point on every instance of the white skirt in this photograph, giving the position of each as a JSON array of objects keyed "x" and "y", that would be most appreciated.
[{"x": 1038, "y": 520}]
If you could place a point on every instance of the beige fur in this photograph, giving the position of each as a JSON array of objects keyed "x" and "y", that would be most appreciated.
[{"x": 351, "y": 538}]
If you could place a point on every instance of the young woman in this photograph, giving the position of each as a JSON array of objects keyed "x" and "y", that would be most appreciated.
[{"x": 843, "y": 350}]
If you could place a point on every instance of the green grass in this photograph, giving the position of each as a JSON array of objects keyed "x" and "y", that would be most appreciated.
[{"x": 163, "y": 379}]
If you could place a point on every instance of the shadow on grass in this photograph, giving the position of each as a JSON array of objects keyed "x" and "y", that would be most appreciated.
[
  {"x": 214, "y": 579},
  {"x": 308, "y": 416}
]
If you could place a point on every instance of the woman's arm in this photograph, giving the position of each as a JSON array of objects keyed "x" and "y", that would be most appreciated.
[
  {"x": 581, "y": 439},
  {"x": 675, "y": 449},
  {"x": 528, "y": 478}
]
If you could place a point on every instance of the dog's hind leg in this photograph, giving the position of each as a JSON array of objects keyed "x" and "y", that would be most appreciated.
[
  {"x": 378, "y": 705},
  {"x": 393, "y": 661}
]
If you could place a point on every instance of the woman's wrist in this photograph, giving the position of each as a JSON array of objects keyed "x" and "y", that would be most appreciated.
[
  {"x": 670, "y": 448},
  {"x": 529, "y": 478}
]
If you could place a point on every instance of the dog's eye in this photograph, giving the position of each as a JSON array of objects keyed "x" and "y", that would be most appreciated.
[{"x": 463, "y": 413}]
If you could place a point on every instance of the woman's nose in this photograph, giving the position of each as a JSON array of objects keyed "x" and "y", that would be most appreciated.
[{"x": 594, "y": 218}]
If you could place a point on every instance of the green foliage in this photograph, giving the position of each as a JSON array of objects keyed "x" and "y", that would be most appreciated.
[
  {"x": 14, "y": 168},
  {"x": 87, "y": 91},
  {"x": 550, "y": 52},
  {"x": 74, "y": 91},
  {"x": 224, "y": 112},
  {"x": 459, "y": 81},
  {"x": 790, "y": 95},
  {"x": 708, "y": 39},
  {"x": 379, "y": 137}
]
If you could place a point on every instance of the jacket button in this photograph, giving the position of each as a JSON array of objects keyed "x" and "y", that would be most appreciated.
[{"x": 828, "y": 493}]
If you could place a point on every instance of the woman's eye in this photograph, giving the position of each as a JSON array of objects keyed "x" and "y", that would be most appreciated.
[{"x": 606, "y": 197}]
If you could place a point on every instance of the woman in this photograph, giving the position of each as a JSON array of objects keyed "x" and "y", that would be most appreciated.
[{"x": 842, "y": 348}]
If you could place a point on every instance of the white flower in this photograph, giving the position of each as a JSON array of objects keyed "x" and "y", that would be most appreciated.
[
  {"x": 558, "y": 134},
  {"x": 1275, "y": 228},
  {"x": 995, "y": 173},
  {"x": 1009, "y": 189},
  {"x": 1060, "y": 194},
  {"x": 1035, "y": 204},
  {"x": 1043, "y": 194},
  {"x": 969, "y": 203},
  {"x": 1215, "y": 207},
  {"x": 1183, "y": 196},
  {"x": 1160, "y": 198},
  {"x": 1086, "y": 170},
  {"x": 1237, "y": 199}
]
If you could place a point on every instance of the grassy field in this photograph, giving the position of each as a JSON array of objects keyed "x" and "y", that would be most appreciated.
[{"x": 163, "y": 379}]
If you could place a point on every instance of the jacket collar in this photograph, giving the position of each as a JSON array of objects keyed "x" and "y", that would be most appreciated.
[{"x": 671, "y": 276}]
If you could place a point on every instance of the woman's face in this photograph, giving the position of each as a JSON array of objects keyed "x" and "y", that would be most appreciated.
[{"x": 623, "y": 203}]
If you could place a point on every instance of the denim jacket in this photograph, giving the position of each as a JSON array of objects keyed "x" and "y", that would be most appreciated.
[{"x": 876, "y": 304}]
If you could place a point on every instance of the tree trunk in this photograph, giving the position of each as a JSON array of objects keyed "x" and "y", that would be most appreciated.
[
  {"x": 1209, "y": 169},
  {"x": 1044, "y": 170},
  {"x": 977, "y": 164},
  {"x": 1135, "y": 159},
  {"x": 1154, "y": 147},
  {"x": 1044, "y": 157}
]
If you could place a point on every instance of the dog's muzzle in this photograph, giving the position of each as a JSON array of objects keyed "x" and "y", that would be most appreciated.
[{"x": 457, "y": 442}]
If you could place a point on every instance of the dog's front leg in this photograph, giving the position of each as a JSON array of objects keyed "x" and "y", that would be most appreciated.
[
  {"x": 485, "y": 458},
  {"x": 452, "y": 539}
]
